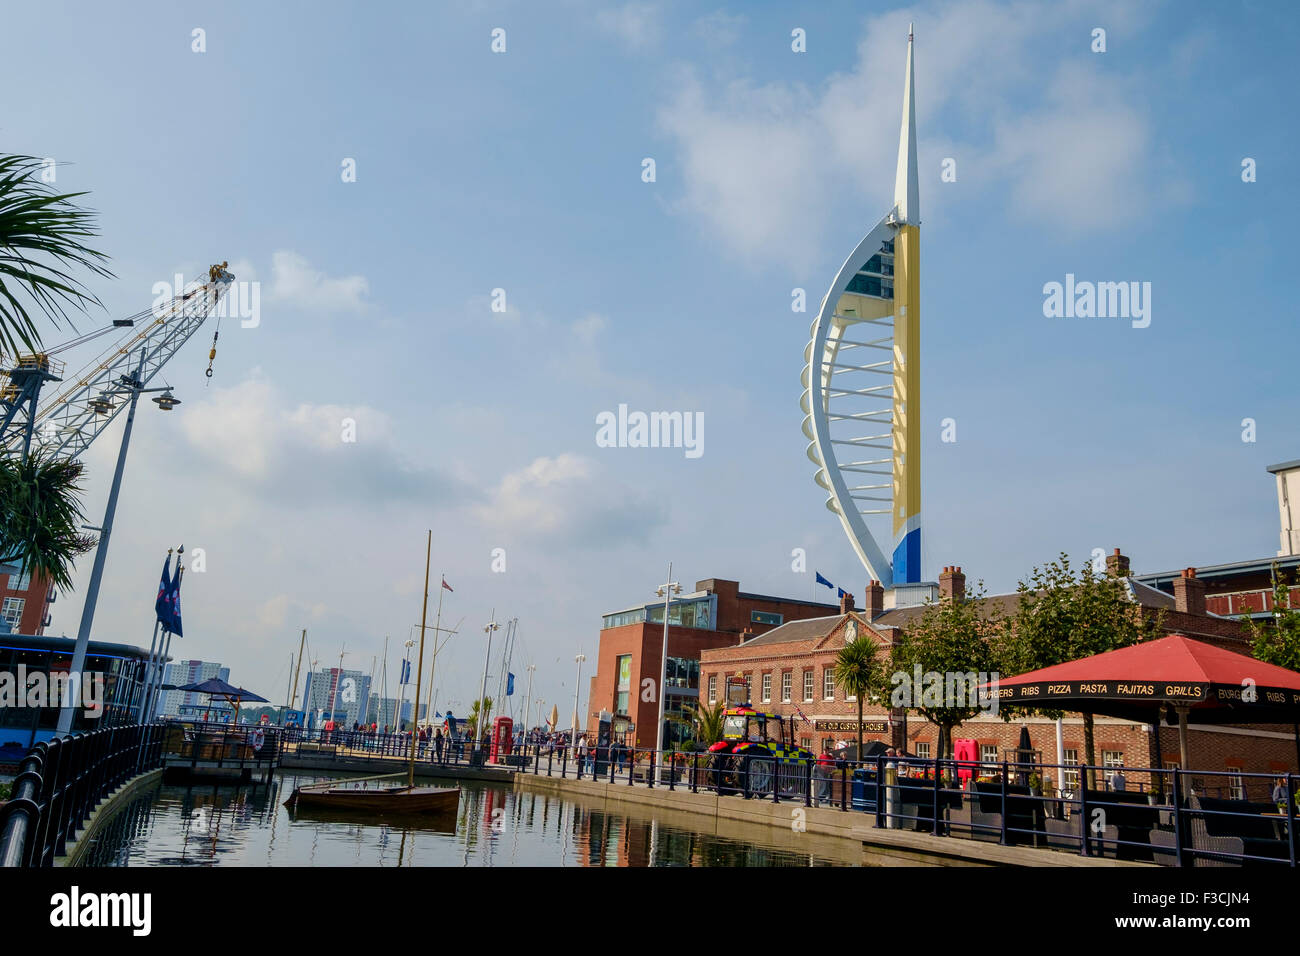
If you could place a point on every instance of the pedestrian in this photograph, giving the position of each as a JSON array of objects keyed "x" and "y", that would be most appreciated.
[
  {"x": 1279, "y": 794},
  {"x": 1117, "y": 780},
  {"x": 822, "y": 773},
  {"x": 437, "y": 744},
  {"x": 582, "y": 752}
]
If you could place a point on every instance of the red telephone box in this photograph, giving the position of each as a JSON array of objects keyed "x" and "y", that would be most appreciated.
[
  {"x": 963, "y": 749},
  {"x": 502, "y": 738}
]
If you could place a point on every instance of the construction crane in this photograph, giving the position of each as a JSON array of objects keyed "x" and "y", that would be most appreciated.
[{"x": 67, "y": 423}]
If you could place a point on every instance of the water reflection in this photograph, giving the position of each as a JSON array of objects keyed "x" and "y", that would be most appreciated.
[{"x": 493, "y": 826}]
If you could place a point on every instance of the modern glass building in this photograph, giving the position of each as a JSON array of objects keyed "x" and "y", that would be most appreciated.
[{"x": 22, "y": 656}]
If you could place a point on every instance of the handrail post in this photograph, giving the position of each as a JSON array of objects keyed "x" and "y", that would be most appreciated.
[
  {"x": 844, "y": 786},
  {"x": 650, "y": 770},
  {"x": 1003, "y": 835},
  {"x": 1290, "y": 815},
  {"x": 1178, "y": 817},
  {"x": 936, "y": 796},
  {"x": 807, "y": 783},
  {"x": 880, "y": 797},
  {"x": 1084, "y": 848}
]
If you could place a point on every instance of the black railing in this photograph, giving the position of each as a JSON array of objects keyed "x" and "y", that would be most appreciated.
[
  {"x": 1243, "y": 819},
  {"x": 59, "y": 784}
]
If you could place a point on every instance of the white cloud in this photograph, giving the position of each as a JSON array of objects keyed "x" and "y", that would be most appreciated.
[
  {"x": 587, "y": 328},
  {"x": 304, "y": 453},
  {"x": 765, "y": 167},
  {"x": 293, "y": 280},
  {"x": 636, "y": 24},
  {"x": 569, "y": 497}
]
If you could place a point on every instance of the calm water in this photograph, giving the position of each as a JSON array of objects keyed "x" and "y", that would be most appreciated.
[{"x": 248, "y": 826}]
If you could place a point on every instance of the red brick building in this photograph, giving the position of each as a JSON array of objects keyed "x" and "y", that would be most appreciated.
[
  {"x": 24, "y": 601},
  {"x": 716, "y": 614},
  {"x": 790, "y": 671}
]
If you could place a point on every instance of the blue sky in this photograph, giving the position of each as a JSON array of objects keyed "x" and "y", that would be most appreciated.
[{"x": 522, "y": 171}]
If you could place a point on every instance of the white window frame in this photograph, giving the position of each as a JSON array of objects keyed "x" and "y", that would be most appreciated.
[
  {"x": 12, "y": 610},
  {"x": 923, "y": 749},
  {"x": 787, "y": 686},
  {"x": 809, "y": 683},
  {"x": 713, "y": 688},
  {"x": 1070, "y": 758},
  {"x": 767, "y": 687},
  {"x": 828, "y": 683}
]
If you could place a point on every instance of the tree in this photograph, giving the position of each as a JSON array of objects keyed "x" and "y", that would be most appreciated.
[
  {"x": 859, "y": 671},
  {"x": 40, "y": 501},
  {"x": 707, "y": 722},
  {"x": 1063, "y": 616},
  {"x": 949, "y": 645},
  {"x": 1277, "y": 641},
  {"x": 41, "y": 236},
  {"x": 472, "y": 720}
]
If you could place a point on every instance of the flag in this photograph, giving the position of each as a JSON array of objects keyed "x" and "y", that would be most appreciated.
[
  {"x": 174, "y": 601},
  {"x": 843, "y": 592},
  {"x": 406, "y": 672},
  {"x": 802, "y": 715},
  {"x": 822, "y": 580},
  {"x": 510, "y": 684},
  {"x": 160, "y": 606},
  {"x": 447, "y": 586}
]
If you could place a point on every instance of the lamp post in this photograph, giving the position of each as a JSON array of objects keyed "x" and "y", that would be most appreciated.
[
  {"x": 406, "y": 674},
  {"x": 576, "y": 691},
  {"x": 134, "y": 387},
  {"x": 491, "y": 626},
  {"x": 528, "y": 698},
  {"x": 665, "y": 591}
]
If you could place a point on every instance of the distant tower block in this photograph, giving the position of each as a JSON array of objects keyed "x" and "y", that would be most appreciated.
[{"x": 862, "y": 381}]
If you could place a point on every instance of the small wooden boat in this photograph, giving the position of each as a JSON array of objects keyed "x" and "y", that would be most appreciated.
[{"x": 392, "y": 800}]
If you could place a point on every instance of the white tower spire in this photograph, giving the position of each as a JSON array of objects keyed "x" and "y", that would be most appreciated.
[{"x": 907, "y": 180}]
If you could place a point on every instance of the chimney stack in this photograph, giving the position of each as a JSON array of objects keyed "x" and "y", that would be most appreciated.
[
  {"x": 1117, "y": 565},
  {"x": 1189, "y": 593},
  {"x": 952, "y": 584},
  {"x": 875, "y": 605},
  {"x": 846, "y": 602}
]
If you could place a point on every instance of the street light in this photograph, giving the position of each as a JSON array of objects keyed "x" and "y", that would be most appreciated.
[
  {"x": 576, "y": 691},
  {"x": 665, "y": 591},
  {"x": 528, "y": 698},
  {"x": 134, "y": 388},
  {"x": 491, "y": 626},
  {"x": 406, "y": 679}
]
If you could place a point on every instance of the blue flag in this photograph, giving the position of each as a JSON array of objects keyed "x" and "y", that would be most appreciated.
[
  {"x": 822, "y": 580},
  {"x": 160, "y": 604},
  {"x": 174, "y": 610},
  {"x": 406, "y": 673},
  {"x": 510, "y": 684},
  {"x": 842, "y": 592}
]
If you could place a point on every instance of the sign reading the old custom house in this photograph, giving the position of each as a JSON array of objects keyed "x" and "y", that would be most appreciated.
[{"x": 851, "y": 726}]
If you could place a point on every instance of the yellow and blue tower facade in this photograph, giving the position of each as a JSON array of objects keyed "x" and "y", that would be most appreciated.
[{"x": 862, "y": 380}]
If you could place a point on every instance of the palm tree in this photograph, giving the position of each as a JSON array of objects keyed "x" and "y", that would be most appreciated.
[
  {"x": 40, "y": 499},
  {"x": 707, "y": 722},
  {"x": 858, "y": 670},
  {"x": 41, "y": 233},
  {"x": 472, "y": 720}
]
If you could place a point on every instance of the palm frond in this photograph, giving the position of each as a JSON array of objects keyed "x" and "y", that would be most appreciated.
[{"x": 41, "y": 238}]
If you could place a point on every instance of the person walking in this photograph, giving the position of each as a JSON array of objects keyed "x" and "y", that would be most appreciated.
[
  {"x": 1117, "y": 779},
  {"x": 582, "y": 754},
  {"x": 437, "y": 744},
  {"x": 822, "y": 774}
]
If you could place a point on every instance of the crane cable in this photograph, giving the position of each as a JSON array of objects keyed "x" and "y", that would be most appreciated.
[{"x": 213, "y": 273}]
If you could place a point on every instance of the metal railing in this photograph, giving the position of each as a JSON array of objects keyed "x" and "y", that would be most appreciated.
[
  {"x": 59, "y": 784},
  {"x": 1001, "y": 802}
]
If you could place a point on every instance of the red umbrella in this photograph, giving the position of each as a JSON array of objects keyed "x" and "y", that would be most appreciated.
[{"x": 1175, "y": 671}]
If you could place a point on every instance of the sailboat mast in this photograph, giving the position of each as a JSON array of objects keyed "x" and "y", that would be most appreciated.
[
  {"x": 437, "y": 633},
  {"x": 294, "y": 696},
  {"x": 419, "y": 666}
]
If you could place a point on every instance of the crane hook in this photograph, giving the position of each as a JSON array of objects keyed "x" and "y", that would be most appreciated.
[{"x": 212, "y": 353}]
